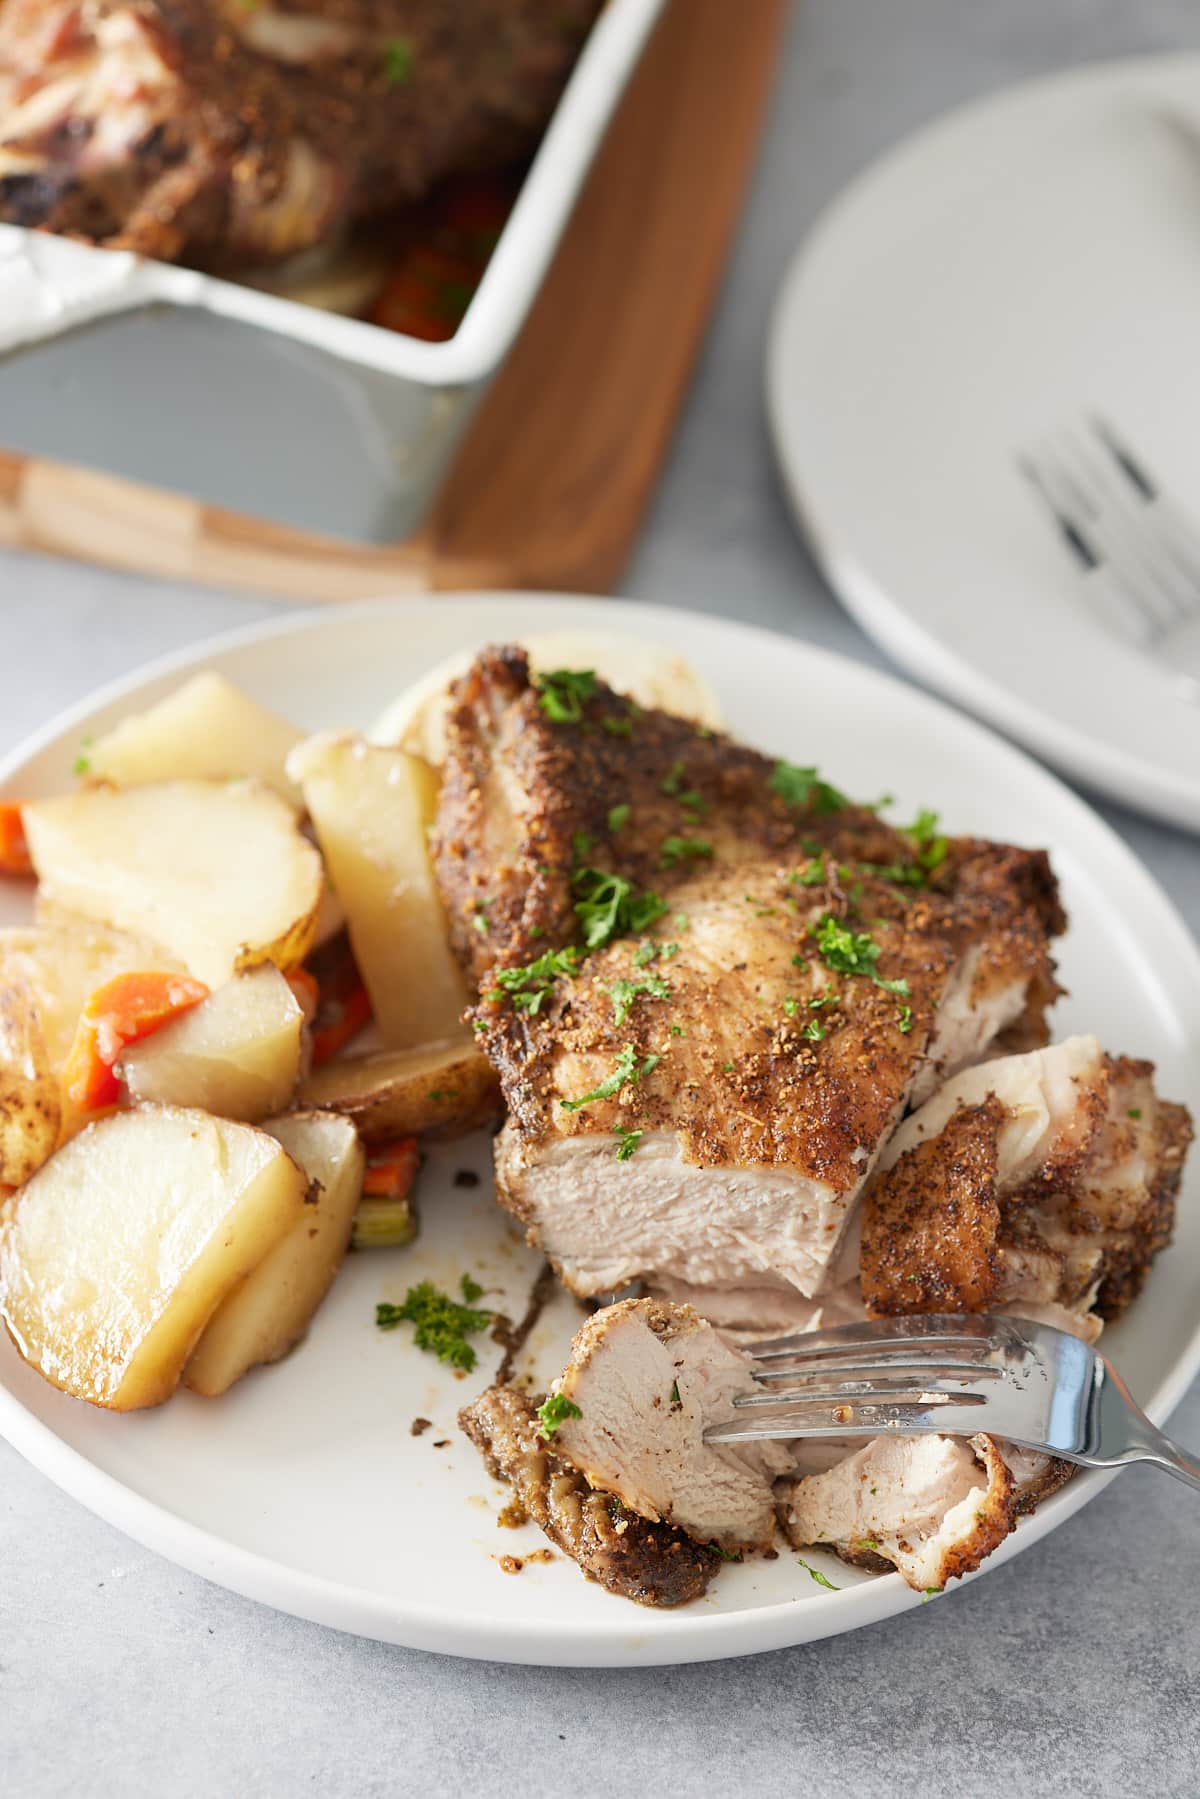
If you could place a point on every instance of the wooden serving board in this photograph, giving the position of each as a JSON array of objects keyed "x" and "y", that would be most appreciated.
[{"x": 540, "y": 495}]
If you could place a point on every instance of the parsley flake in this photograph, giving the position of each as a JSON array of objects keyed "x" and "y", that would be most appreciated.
[
  {"x": 625, "y": 992},
  {"x": 82, "y": 764},
  {"x": 625, "y": 1069},
  {"x": 683, "y": 849},
  {"x": 609, "y": 905},
  {"x": 822, "y": 1580},
  {"x": 563, "y": 694},
  {"x": 852, "y": 952},
  {"x": 789, "y": 1006},
  {"x": 554, "y": 1411},
  {"x": 618, "y": 817},
  {"x": 804, "y": 787},
  {"x": 629, "y": 1142},
  {"x": 905, "y": 1020},
  {"x": 1135, "y": 1111},
  {"x": 397, "y": 61},
  {"x": 676, "y": 1402},
  {"x": 442, "y": 1324},
  {"x": 616, "y": 726},
  {"x": 527, "y": 987},
  {"x": 672, "y": 781}
]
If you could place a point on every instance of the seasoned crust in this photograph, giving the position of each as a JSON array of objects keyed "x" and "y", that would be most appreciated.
[{"x": 652, "y": 1564}]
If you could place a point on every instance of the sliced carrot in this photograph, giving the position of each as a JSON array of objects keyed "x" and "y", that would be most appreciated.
[
  {"x": 343, "y": 1005},
  {"x": 122, "y": 1011},
  {"x": 392, "y": 1169},
  {"x": 14, "y": 851}
]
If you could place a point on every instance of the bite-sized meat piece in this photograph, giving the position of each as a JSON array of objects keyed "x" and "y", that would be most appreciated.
[
  {"x": 932, "y": 1507},
  {"x": 647, "y": 1379},
  {"x": 1043, "y": 1184},
  {"x": 650, "y": 1563},
  {"x": 216, "y": 131},
  {"x": 759, "y": 1078},
  {"x": 744, "y": 1314}
]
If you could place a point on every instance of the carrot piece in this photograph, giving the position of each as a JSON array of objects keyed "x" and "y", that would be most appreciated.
[
  {"x": 338, "y": 1021},
  {"x": 121, "y": 1012},
  {"x": 14, "y": 851},
  {"x": 307, "y": 990},
  {"x": 391, "y": 1171}
]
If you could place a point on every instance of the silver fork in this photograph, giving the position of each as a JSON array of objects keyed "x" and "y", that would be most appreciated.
[
  {"x": 950, "y": 1376},
  {"x": 1139, "y": 551}
]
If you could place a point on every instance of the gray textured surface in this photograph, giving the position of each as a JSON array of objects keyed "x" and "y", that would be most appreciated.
[{"x": 1073, "y": 1671}]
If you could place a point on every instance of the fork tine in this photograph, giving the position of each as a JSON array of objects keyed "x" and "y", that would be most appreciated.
[
  {"x": 752, "y": 1425},
  {"x": 876, "y": 1372},
  {"x": 965, "y": 1331},
  {"x": 1128, "y": 524}
]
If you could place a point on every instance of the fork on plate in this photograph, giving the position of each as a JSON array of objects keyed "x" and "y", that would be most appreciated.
[
  {"x": 1139, "y": 550},
  {"x": 950, "y": 1375}
]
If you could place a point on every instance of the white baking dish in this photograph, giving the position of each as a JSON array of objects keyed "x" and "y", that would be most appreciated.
[{"x": 264, "y": 405}]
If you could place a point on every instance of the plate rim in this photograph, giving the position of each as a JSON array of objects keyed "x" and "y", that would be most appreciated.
[
  {"x": 678, "y": 1637},
  {"x": 1126, "y": 776}
]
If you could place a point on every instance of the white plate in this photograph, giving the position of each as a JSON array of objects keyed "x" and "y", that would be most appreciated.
[
  {"x": 303, "y": 1487},
  {"x": 1028, "y": 260}
]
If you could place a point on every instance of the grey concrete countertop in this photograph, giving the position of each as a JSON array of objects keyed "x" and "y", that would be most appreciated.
[{"x": 1071, "y": 1671}]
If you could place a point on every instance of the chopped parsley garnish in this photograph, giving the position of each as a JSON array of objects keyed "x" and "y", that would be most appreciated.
[
  {"x": 799, "y": 961},
  {"x": 625, "y": 992},
  {"x": 727, "y": 1068},
  {"x": 828, "y": 998},
  {"x": 648, "y": 951},
  {"x": 931, "y": 846},
  {"x": 479, "y": 923},
  {"x": 470, "y": 1289},
  {"x": 582, "y": 843},
  {"x": 629, "y": 1142},
  {"x": 609, "y": 905},
  {"x": 789, "y": 1006},
  {"x": 683, "y": 849},
  {"x": 675, "y": 1399},
  {"x": 931, "y": 1593},
  {"x": 563, "y": 694},
  {"x": 442, "y": 1324},
  {"x": 672, "y": 781},
  {"x": 816, "y": 1033},
  {"x": 616, "y": 726},
  {"x": 804, "y": 787},
  {"x": 555, "y": 1411},
  {"x": 905, "y": 1020},
  {"x": 527, "y": 987},
  {"x": 726, "y": 1555},
  {"x": 677, "y": 1030},
  {"x": 1135, "y": 1111},
  {"x": 82, "y": 764},
  {"x": 625, "y": 1069},
  {"x": 682, "y": 921},
  {"x": 822, "y": 1580},
  {"x": 397, "y": 61},
  {"x": 812, "y": 876},
  {"x": 852, "y": 952},
  {"x": 618, "y": 817}
]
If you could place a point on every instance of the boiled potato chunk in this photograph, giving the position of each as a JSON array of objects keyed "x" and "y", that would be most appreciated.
[
  {"x": 650, "y": 673},
  {"x": 236, "y": 1054},
  {"x": 446, "y": 1087},
  {"x": 216, "y": 872},
  {"x": 207, "y": 728},
  {"x": 30, "y": 1092},
  {"x": 370, "y": 807},
  {"x": 118, "y": 1252},
  {"x": 270, "y": 1311}
]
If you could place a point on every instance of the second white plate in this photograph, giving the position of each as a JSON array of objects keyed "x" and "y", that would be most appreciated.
[
  {"x": 1026, "y": 262},
  {"x": 303, "y": 1487}
]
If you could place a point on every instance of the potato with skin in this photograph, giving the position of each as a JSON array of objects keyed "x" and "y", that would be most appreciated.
[
  {"x": 30, "y": 1091},
  {"x": 268, "y": 1313},
  {"x": 445, "y": 1087},
  {"x": 371, "y": 808},
  {"x": 116, "y": 1254},
  {"x": 237, "y": 1054},
  {"x": 206, "y": 729},
  {"x": 217, "y": 873}
]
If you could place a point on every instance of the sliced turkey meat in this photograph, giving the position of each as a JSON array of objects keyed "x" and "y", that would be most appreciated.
[
  {"x": 932, "y": 1507},
  {"x": 709, "y": 1007},
  {"x": 651, "y": 1564},
  {"x": 1042, "y": 1183},
  {"x": 647, "y": 1379}
]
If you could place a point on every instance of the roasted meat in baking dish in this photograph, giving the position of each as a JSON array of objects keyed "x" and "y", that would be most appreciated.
[
  {"x": 711, "y": 984},
  {"x": 218, "y": 132}
]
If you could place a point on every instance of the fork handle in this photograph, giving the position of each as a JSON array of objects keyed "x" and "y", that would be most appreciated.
[{"x": 1170, "y": 1456}]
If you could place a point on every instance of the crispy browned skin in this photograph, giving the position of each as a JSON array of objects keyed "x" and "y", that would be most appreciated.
[
  {"x": 650, "y": 1563},
  {"x": 216, "y": 131},
  {"x": 519, "y": 793},
  {"x": 942, "y": 1232}
]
